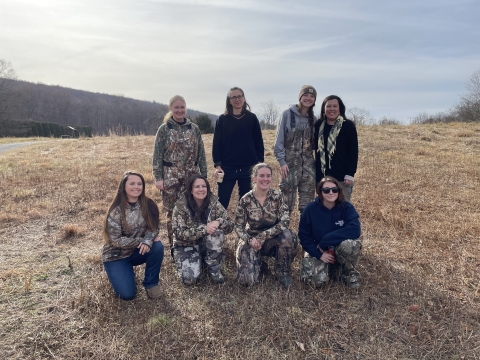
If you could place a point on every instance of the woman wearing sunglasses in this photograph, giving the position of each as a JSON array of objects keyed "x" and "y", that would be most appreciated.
[
  {"x": 329, "y": 230},
  {"x": 237, "y": 146}
]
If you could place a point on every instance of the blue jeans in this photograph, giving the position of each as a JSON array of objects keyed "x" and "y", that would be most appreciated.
[{"x": 121, "y": 275}]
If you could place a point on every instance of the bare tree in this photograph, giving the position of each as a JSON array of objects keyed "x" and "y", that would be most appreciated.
[
  {"x": 7, "y": 96},
  {"x": 469, "y": 107},
  {"x": 360, "y": 116},
  {"x": 268, "y": 114}
]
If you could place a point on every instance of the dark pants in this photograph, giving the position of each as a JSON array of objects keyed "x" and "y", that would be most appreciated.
[
  {"x": 121, "y": 275},
  {"x": 232, "y": 175}
]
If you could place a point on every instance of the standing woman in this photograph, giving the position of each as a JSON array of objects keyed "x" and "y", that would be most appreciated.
[
  {"x": 130, "y": 231},
  {"x": 237, "y": 146},
  {"x": 293, "y": 149},
  {"x": 178, "y": 154},
  {"x": 329, "y": 230},
  {"x": 261, "y": 223},
  {"x": 336, "y": 144},
  {"x": 199, "y": 225}
]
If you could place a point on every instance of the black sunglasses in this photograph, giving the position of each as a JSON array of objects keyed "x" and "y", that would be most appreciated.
[{"x": 326, "y": 190}]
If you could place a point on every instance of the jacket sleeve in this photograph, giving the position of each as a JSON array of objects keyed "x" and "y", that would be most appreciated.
[
  {"x": 201, "y": 158},
  {"x": 352, "y": 160},
  {"x": 280, "y": 226},
  {"x": 221, "y": 215},
  {"x": 149, "y": 237},
  {"x": 258, "y": 140},
  {"x": 217, "y": 143},
  {"x": 158, "y": 151},
  {"x": 279, "y": 147},
  {"x": 184, "y": 229},
  {"x": 350, "y": 230},
  {"x": 117, "y": 239},
  {"x": 241, "y": 221},
  {"x": 305, "y": 234}
]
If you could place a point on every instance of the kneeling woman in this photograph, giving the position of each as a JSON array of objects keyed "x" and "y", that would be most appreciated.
[
  {"x": 130, "y": 232},
  {"x": 199, "y": 225},
  {"x": 329, "y": 230},
  {"x": 261, "y": 222}
]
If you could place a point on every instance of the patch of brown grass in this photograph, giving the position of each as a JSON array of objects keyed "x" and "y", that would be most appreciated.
[{"x": 418, "y": 201}]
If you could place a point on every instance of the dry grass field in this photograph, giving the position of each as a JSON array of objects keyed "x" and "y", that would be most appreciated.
[{"x": 417, "y": 192}]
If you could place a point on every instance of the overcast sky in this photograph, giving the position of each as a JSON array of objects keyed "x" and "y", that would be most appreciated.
[{"x": 394, "y": 58}]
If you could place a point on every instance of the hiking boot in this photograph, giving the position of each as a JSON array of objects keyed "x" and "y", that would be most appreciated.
[
  {"x": 216, "y": 276},
  {"x": 286, "y": 281},
  {"x": 154, "y": 292},
  {"x": 352, "y": 281}
]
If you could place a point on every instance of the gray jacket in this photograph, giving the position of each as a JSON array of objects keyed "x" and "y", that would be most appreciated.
[{"x": 284, "y": 128}]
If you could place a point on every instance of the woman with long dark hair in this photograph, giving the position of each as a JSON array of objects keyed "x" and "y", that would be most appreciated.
[
  {"x": 237, "y": 146},
  {"x": 130, "y": 232},
  {"x": 178, "y": 154},
  {"x": 199, "y": 225},
  {"x": 329, "y": 230},
  {"x": 336, "y": 144},
  {"x": 261, "y": 223},
  {"x": 293, "y": 149}
]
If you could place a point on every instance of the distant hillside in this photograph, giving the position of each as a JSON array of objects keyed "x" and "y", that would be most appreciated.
[{"x": 103, "y": 112}]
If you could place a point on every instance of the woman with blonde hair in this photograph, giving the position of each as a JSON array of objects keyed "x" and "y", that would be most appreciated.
[
  {"x": 261, "y": 223},
  {"x": 130, "y": 231},
  {"x": 178, "y": 154}
]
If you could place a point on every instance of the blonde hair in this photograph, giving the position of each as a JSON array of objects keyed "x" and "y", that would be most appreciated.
[
  {"x": 258, "y": 167},
  {"x": 172, "y": 100}
]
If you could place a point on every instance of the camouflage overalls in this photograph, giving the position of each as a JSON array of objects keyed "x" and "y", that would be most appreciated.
[
  {"x": 269, "y": 225},
  {"x": 178, "y": 154},
  {"x": 301, "y": 165},
  {"x": 316, "y": 272},
  {"x": 191, "y": 241}
]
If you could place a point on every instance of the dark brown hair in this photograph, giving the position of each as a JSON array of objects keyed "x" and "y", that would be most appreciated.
[
  {"x": 341, "y": 106},
  {"x": 150, "y": 212},
  {"x": 199, "y": 214},
  {"x": 341, "y": 195},
  {"x": 229, "y": 107}
]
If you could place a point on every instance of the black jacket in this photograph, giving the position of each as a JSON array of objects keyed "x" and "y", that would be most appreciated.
[
  {"x": 345, "y": 158},
  {"x": 237, "y": 142}
]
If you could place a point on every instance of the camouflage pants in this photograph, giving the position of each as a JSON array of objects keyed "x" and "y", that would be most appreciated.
[
  {"x": 347, "y": 190},
  {"x": 175, "y": 179},
  {"x": 316, "y": 272},
  {"x": 302, "y": 179},
  {"x": 188, "y": 257},
  {"x": 249, "y": 261}
]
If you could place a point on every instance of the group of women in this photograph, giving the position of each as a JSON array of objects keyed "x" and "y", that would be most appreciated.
[{"x": 312, "y": 155}]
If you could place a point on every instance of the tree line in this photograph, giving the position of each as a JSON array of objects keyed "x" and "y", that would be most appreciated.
[{"x": 22, "y": 101}]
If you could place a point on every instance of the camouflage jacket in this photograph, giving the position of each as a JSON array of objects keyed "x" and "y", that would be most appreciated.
[
  {"x": 122, "y": 244},
  {"x": 253, "y": 220},
  {"x": 179, "y": 146},
  {"x": 187, "y": 231}
]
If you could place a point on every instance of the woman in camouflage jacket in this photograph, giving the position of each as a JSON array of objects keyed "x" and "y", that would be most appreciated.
[
  {"x": 130, "y": 232},
  {"x": 178, "y": 154},
  {"x": 199, "y": 225},
  {"x": 261, "y": 222}
]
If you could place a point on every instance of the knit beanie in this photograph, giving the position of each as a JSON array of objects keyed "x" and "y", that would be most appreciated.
[{"x": 307, "y": 89}]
